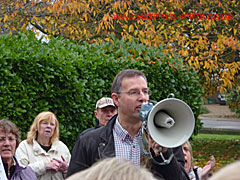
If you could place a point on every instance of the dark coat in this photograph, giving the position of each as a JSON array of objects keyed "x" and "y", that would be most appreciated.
[
  {"x": 89, "y": 129},
  {"x": 98, "y": 144}
]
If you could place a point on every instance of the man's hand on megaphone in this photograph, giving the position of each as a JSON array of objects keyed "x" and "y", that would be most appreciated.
[
  {"x": 159, "y": 153},
  {"x": 156, "y": 147}
]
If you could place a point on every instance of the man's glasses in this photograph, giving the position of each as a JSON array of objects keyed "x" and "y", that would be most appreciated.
[{"x": 137, "y": 92}]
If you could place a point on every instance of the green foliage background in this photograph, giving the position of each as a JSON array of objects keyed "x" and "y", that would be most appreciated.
[{"x": 68, "y": 78}]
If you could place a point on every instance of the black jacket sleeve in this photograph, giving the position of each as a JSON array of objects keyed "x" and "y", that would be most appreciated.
[
  {"x": 81, "y": 157},
  {"x": 172, "y": 171}
]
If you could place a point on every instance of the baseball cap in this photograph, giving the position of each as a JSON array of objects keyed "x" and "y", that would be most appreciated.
[{"x": 104, "y": 102}]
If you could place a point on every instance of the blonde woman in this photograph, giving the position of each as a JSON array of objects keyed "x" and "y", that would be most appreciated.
[
  {"x": 42, "y": 150},
  {"x": 195, "y": 172}
]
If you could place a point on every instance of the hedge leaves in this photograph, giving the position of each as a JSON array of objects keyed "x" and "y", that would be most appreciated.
[{"x": 68, "y": 79}]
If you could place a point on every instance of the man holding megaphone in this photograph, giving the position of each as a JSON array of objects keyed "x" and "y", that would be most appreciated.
[{"x": 123, "y": 137}]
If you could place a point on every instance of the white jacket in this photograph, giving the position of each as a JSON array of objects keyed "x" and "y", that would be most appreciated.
[{"x": 34, "y": 156}]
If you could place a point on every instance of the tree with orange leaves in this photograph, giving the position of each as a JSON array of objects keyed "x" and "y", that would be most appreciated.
[{"x": 204, "y": 32}]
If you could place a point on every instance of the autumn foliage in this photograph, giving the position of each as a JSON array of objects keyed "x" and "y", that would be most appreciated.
[{"x": 204, "y": 32}]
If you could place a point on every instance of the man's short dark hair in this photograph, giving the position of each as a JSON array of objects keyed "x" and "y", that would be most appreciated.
[{"x": 117, "y": 82}]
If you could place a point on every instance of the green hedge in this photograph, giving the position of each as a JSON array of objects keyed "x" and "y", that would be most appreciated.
[{"x": 68, "y": 79}]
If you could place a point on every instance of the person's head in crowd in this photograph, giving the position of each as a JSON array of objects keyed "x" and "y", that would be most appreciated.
[
  {"x": 113, "y": 169},
  {"x": 129, "y": 91},
  {"x": 196, "y": 171},
  {"x": 104, "y": 111},
  {"x": 45, "y": 126},
  {"x": 229, "y": 172},
  {"x": 187, "y": 151},
  {"x": 9, "y": 140}
]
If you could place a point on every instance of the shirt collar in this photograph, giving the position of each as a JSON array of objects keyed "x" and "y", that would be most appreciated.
[
  {"x": 122, "y": 133},
  {"x": 39, "y": 150}
]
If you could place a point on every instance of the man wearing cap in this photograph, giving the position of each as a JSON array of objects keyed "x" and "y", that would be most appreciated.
[{"x": 105, "y": 110}]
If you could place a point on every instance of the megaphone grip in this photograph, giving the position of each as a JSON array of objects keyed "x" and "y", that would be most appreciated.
[{"x": 144, "y": 112}]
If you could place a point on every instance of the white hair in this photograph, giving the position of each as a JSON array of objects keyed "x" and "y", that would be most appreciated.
[{"x": 113, "y": 169}]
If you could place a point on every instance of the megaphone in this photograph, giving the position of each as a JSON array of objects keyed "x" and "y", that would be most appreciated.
[{"x": 170, "y": 122}]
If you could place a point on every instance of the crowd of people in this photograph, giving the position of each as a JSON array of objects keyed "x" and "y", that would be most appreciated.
[{"x": 110, "y": 150}]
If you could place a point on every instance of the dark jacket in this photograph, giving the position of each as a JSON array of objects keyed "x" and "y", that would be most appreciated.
[
  {"x": 89, "y": 129},
  {"x": 20, "y": 172},
  {"x": 98, "y": 144}
]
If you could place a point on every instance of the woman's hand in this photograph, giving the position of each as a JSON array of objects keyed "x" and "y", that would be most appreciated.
[
  {"x": 63, "y": 166},
  {"x": 208, "y": 167},
  {"x": 52, "y": 165},
  {"x": 57, "y": 165}
]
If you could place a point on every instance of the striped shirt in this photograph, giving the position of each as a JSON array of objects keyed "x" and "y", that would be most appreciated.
[{"x": 125, "y": 146}]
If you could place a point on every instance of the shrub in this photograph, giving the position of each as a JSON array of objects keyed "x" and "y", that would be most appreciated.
[
  {"x": 233, "y": 100},
  {"x": 68, "y": 79}
]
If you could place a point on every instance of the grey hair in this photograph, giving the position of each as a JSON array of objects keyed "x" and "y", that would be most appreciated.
[{"x": 9, "y": 127}]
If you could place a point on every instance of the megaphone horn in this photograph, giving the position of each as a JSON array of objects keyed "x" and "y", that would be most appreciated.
[{"x": 170, "y": 122}]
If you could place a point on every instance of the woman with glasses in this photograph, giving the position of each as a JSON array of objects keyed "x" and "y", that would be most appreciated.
[
  {"x": 9, "y": 141},
  {"x": 43, "y": 151}
]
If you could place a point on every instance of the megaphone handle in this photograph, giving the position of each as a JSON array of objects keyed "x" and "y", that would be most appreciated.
[
  {"x": 148, "y": 152},
  {"x": 171, "y": 95},
  {"x": 165, "y": 161}
]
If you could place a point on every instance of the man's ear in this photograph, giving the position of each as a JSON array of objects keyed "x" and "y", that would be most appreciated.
[
  {"x": 115, "y": 98},
  {"x": 96, "y": 113}
]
